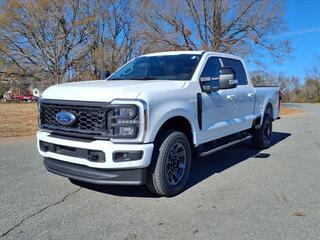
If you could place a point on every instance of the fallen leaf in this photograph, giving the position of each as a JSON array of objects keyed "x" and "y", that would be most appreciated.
[{"x": 298, "y": 214}]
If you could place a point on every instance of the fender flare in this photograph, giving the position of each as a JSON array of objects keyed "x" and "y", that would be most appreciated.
[
  {"x": 169, "y": 115},
  {"x": 261, "y": 116}
]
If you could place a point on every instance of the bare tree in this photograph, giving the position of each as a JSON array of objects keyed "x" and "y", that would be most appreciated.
[
  {"x": 112, "y": 34},
  {"x": 289, "y": 85},
  {"x": 244, "y": 27},
  {"x": 312, "y": 81},
  {"x": 43, "y": 40},
  {"x": 313, "y": 71},
  {"x": 62, "y": 40},
  {"x": 66, "y": 40}
]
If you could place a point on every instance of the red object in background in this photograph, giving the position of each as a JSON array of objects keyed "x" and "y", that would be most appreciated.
[
  {"x": 19, "y": 98},
  {"x": 26, "y": 98}
]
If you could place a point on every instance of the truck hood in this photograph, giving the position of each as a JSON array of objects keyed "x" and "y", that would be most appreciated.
[{"x": 106, "y": 91}]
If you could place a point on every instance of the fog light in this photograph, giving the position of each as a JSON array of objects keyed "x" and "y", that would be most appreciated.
[
  {"x": 96, "y": 156},
  {"x": 127, "y": 156},
  {"x": 44, "y": 147}
]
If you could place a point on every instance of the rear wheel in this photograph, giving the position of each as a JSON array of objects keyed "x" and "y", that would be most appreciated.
[
  {"x": 170, "y": 168},
  {"x": 261, "y": 138}
]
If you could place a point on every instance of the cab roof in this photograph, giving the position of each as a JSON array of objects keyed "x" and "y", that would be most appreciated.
[
  {"x": 220, "y": 54},
  {"x": 173, "y": 53}
]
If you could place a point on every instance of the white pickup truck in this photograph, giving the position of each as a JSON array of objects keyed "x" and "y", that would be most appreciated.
[{"x": 150, "y": 119}]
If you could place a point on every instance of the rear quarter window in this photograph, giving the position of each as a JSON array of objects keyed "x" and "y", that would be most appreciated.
[{"x": 238, "y": 68}]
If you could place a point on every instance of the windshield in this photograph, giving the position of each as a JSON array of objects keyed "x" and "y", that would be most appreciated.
[{"x": 169, "y": 67}]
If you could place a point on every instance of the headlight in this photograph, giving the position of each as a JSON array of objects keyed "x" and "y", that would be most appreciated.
[
  {"x": 125, "y": 121},
  {"x": 125, "y": 112}
]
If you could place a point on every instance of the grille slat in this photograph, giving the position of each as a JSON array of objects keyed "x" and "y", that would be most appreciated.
[{"x": 90, "y": 120}]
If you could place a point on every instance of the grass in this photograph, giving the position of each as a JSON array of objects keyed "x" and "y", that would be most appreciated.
[
  {"x": 289, "y": 111},
  {"x": 20, "y": 119}
]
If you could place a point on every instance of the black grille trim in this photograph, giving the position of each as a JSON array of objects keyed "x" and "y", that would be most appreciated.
[
  {"x": 92, "y": 118},
  {"x": 104, "y": 131}
]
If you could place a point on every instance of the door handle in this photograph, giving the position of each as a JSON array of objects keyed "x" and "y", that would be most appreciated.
[
  {"x": 250, "y": 95},
  {"x": 230, "y": 97}
]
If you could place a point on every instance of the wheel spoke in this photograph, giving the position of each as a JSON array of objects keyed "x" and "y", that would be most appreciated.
[
  {"x": 181, "y": 155},
  {"x": 267, "y": 131},
  {"x": 177, "y": 176},
  {"x": 176, "y": 163},
  {"x": 182, "y": 165}
]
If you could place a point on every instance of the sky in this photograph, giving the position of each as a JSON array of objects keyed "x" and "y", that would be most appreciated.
[{"x": 303, "y": 20}]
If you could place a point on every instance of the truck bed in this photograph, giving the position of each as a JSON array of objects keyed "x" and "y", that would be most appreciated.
[{"x": 269, "y": 95}]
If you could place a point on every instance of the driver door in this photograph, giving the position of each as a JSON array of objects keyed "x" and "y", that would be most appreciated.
[{"x": 218, "y": 107}]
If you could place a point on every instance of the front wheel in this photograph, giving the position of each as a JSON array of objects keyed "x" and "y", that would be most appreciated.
[
  {"x": 170, "y": 167},
  {"x": 261, "y": 138}
]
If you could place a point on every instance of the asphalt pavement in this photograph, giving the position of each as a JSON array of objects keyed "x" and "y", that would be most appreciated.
[{"x": 238, "y": 193}]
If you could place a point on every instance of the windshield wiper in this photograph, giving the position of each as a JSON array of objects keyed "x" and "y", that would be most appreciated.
[
  {"x": 144, "y": 78},
  {"x": 137, "y": 78}
]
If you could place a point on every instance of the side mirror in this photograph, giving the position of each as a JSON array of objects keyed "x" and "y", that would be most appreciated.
[
  {"x": 206, "y": 84},
  {"x": 227, "y": 78}
]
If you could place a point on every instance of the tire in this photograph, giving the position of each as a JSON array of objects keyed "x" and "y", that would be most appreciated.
[
  {"x": 171, "y": 164},
  {"x": 261, "y": 138}
]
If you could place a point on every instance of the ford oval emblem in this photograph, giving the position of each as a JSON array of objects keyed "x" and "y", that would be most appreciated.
[{"x": 65, "y": 118}]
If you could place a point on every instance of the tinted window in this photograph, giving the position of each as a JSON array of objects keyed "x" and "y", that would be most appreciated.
[
  {"x": 211, "y": 71},
  {"x": 170, "y": 67},
  {"x": 238, "y": 68}
]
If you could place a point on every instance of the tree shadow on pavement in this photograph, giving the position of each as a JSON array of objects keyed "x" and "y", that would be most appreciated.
[
  {"x": 201, "y": 169},
  {"x": 205, "y": 167}
]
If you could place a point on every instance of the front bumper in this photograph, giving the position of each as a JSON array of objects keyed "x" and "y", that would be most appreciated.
[
  {"x": 107, "y": 147},
  {"x": 96, "y": 175}
]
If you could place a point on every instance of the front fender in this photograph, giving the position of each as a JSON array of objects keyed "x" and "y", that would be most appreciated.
[{"x": 157, "y": 121}]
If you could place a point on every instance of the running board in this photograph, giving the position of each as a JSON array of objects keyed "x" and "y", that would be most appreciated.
[{"x": 203, "y": 154}]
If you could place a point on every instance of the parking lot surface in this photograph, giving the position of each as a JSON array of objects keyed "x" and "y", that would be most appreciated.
[{"x": 237, "y": 193}]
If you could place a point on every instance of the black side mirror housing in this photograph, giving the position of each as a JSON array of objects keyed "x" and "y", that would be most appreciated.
[
  {"x": 226, "y": 81},
  {"x": 207, "y": 89},
  {"x": 206, "y": 84},
  {"x": 227, "y": 78}
]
